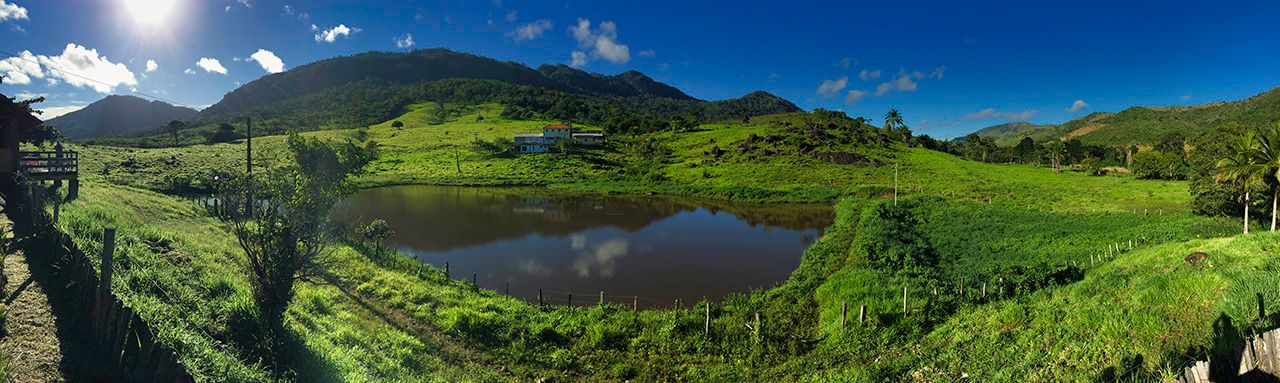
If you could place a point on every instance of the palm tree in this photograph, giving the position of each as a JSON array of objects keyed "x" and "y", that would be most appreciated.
[
  {"x": 1244, "y": 165},
  {"x": 892, "y": 119},
  {"x": 1269, "y": 151}
]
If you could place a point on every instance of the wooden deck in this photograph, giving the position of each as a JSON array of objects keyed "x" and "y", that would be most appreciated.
[{"x": 50, "y": 165}]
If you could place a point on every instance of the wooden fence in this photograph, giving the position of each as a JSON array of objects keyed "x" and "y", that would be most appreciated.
[
  {"x": 1258, "y": 360},
  {"x": 128, "y": 344}
]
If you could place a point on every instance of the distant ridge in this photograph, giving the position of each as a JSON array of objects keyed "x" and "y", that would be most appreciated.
[
  {"x": 429, "y": 65},
  {"x": 117, "y": 115},
  {"x": 1146, "y": 125}
]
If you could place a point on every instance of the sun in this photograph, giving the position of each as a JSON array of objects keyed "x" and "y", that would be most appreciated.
[{"x": 149, "y": 12}]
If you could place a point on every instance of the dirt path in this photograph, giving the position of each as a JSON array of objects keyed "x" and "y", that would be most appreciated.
[{"x": 30, "y": 337}]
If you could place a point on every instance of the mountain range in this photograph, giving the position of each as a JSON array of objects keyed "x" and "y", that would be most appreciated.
[
  {"x": 1141, "y": 125},
  {"x": 117, "y": 115}
]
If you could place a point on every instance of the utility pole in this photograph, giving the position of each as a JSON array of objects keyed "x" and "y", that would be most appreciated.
[{"x": 895, "y": 184}]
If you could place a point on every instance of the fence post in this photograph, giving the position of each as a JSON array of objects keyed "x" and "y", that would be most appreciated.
[
  {"x": 540, "y": 298},
  {"x": 507, "y": 290},
  {"x": 984, "y": 290},
  {"x": 1262, "y": 310},
  {"x": 635, "y": 303},
  {"x": 757, "y": 328},
  {"x": 570, "y": 300},
  {"x": 862, "y": 314},
  {"x": 904, "y": 300},
  {"x": 446, "y": 270},
  {"x": 108, "y": 251},
  {"x": 844, "y": 307},
  {"x": 706, "y": 325},
  {"x": 1001, "y": 288},
  {"x": 473, "y": 280},
  {"x": 602, "y": 297}
]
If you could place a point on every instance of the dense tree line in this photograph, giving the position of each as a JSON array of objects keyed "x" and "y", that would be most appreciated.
[{"x": 369, "y": 102}]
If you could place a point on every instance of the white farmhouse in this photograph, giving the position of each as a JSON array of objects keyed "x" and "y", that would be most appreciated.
[{"x": 551, "y": 135}]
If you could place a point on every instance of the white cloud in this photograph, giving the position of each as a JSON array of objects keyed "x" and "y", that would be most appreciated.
[
  {"x": 854, "y": 96},
  {"x": 404, "y": 41},
  {"x": 245, "y": 3},
  {"x": 288, "y": 9},
  {"x": 28, "y": 95},
  {"x": 1185, "y": 97},
  {"x": 869, "y": 74},
  {"x": 530, "y": 31},
  {"x": 1077, "y": 106},
  {"x": 991, "y": 113},
  {"x": 211, "y": 65},
  {"x": 314, "y": 27},
  {"x": 648, "y": 53},
  {"x": 152, "y": 66},
  {"x": 330, "y": 35},
  {"x": 56, "y": 111},
  {"x": 846, "y": 63},
  {"x": 579, "y": 58},
  {"x": 12, "y": 11},
  {"x": 268, "y": 60},
  {"x": 901, "y": 83},
  {"x": 19, "y": 70},
  {"x": 602, "y": 42},
  {"x": 830, "y": 88},
  {"x": 512, "y": 16},
  {"x": 189, "y": 71},
  {"x": 77, "y": 64}
]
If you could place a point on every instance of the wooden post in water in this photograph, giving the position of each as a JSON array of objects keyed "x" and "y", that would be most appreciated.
[
  {"x": 473, "y": 279},
  {"x": 446, "y": 269},
  {"x": 601, "y": 297},
  {"x": 570, "y": 300},
  {"x": 540, "y": 298},
  {"x": 635, "y": 303},
  {"x": 507, "y": 289},
  {"x": 862, "y": 314},
  {"x": 108, "y": 252}
]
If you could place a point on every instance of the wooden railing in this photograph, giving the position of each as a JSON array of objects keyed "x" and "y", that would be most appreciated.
[{"x": 50, "y": 164}]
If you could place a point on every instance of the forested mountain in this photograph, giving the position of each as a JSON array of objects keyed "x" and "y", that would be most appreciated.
[
  {"x": 118, "y": 116},
  {"x": 373, "y": 87},
  {"x": 1145, "y": 126}
]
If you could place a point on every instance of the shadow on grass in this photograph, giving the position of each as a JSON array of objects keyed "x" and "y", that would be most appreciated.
[{"x": 50, "y": 267}]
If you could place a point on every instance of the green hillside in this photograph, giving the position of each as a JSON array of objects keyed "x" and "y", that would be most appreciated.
[{"x": 1145, "y": 126}]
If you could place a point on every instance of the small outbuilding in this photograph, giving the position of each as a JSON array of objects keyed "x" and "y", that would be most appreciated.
[{"x": 14, "y": 122}]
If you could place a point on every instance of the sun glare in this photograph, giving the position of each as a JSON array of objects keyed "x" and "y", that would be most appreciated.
[{"x": 149, "y": 12}]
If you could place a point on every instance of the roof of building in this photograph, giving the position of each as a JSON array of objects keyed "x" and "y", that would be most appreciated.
[
  {"x": 588, "y": 134},
  {"x": 528, "y": 134},
  {"x": 10, "y": 109},
  {"x": 556, "y": 127}
]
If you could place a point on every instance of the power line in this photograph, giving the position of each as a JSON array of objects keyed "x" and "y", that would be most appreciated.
[{"x": 55, "y": 68}]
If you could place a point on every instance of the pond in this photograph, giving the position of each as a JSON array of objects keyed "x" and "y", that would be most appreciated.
[{"x": 650, "y": 249}]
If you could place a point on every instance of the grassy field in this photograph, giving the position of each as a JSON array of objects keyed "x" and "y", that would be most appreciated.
[{"x": 1068, "y": 314}]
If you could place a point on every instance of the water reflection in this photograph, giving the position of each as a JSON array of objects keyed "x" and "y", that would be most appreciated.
[{"x": 656, "y": 247}]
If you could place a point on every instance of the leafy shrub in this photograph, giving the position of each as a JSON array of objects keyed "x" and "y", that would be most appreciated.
[
  {"x": 1093, "y": 166},
  {"x": 888, "y": 237}
]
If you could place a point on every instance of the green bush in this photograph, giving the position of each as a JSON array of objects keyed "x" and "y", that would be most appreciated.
[{"x": 889, "y": 239}]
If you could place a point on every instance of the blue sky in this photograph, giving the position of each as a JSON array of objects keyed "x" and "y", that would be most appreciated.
[{"x": 951, "y": 67}]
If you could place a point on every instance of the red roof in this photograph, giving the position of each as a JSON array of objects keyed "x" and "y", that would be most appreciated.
[{"x": 556, "y": 127}]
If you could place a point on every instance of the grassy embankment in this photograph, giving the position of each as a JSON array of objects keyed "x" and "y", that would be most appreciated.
[{"x": 390, "y": 318}]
